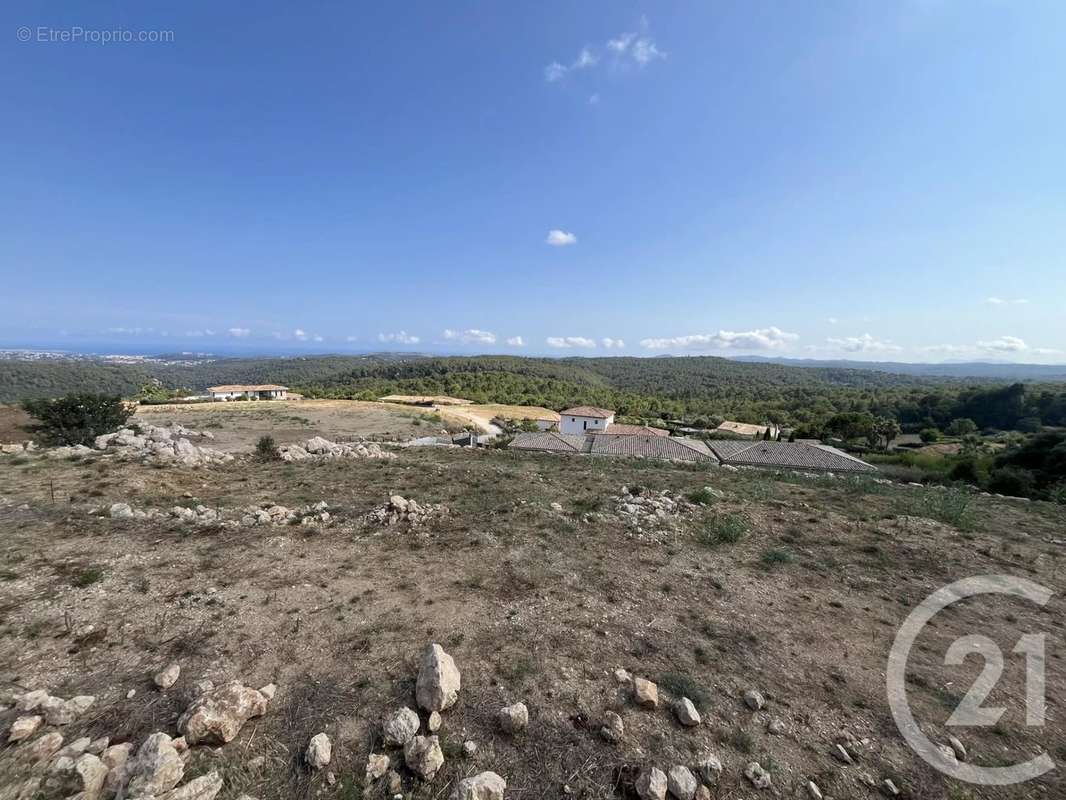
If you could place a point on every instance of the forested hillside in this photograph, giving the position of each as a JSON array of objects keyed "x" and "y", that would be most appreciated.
[{"x": 695, "y": 388}]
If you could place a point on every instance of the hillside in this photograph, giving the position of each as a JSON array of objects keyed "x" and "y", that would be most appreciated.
[{"x": 702, "y": 387}]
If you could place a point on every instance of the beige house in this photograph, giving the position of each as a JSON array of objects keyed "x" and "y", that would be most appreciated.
[
  {"x": 236, "y": 391},
  {"x": 747, "y": 429}
]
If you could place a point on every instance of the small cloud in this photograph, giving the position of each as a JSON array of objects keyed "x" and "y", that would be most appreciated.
[
  {"x": 199, "y": 334},
  {"x": 318, "y": 339},
  {"x": 470, "y": 336},
  {"x": 832, "y": 320},
  {"x": 621, "y": 44},
  {"x": 351, "y": 338},
  {"x": 559, "y": 238},
  {"x": 570, "y": 341},
  {"x": 864, "y": 344},
  {"x": 402, "y": 337},
  {"x": 645, "y": 51},
  {"x": 612, "y": 344},
  {"x": 759, "y": 339},
  {"x": 239, "y": 333},
  {"x": 586, "y": 58},
  {"x": 999, "y": 301},
  {"x": 300, "y": 334},
  {"x": 554, "y": 72},
  {"x": 516, "y": 341},
  {"x": 129, "y": 331},
  {"x": 1004, "y": 344},
  {"x": 594, "y": 99}
]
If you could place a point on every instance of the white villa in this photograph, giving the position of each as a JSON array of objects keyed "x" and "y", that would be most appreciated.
[
  {"x": 265, "y": 391},
  {"x": 585, "y": 419}
]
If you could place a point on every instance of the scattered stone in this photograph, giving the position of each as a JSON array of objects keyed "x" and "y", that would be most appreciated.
[
  {"x": 75, "y": 748},
  {"x": 203, "y": 788},
  {"x": 269, "y": 691},
  {"x": 469, "y": 748},
  {"x": 958, "y": 748},
  {"x": 439, "y": 681},
  {"x": 758, "y": 776},
  {"x": 843, "y": 755},
  {"x": 686, "y": 713},
  {"x": 63, "y": 712},
  {"x": 710, "y": 769},
  {"x": 622, "y": 676},
  {"x": 423, "y": 756},
  {"x": 154, "y": 444},
  {"x": 320, "y": 449},
  {"x": 43, "y": 747},
  {"x": 24, "y": 727},
  {"x": 400, "y": 728},
  {"x": 889, "y": 788},
  {"x": 30, "y": 700},
  {"x": 814, "y": 791},
  {"x": 131, "y": 694},
  {"x": 377, "y": 764},
  {"x": 613, "y": 729},
  {"x": 84, "y": 776},
  {"x": 646, "y": 693},
  {"x": 556, "y": 507},
  {"x": 156, "y": 769},
  {"x": 399, "y": 510},
  {"x": 219, "y": 714},
  {"x": 651, "y": 784},
  {"x": 394, "y": 783},
  {"x": 484, "y": 786},
  {"x": 514, "y": 718},
  {"x": 331, "y": 778},
  {"x": 703, "y": 793},
  {"x": 948, "y": 754},
  {"x": 434, "y": 722},
  {"x": 777, "y": 727},
  {"x": 167, "y": 676},
  {"x": 681, "y": 783},
  {"x": 98, "y": 746},
  {"x": 754, "y": 700},
  {"x": 319, "y": 751}
]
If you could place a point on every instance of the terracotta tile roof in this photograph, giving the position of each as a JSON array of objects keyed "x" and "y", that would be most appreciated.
[
  {"x": 620, "y": 429},
  {"x": 788, "y": 455},
  {"x": 550, "y": 440},
  {"x": 668, "y": 448},
  {"x": 587, "y": 411}
]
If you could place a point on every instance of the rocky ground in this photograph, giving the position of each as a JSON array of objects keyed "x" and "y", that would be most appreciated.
[{"x": 621, "y": 629}]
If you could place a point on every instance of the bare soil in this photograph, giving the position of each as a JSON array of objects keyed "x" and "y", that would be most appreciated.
[
  {"x": 534, "y": 604},
  {"x": 13, "y": 422}
]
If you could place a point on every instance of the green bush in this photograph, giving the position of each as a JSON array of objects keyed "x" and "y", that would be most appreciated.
[
  {"x": 724, "y": 529},
  {"x": 267, "y": 449},
  {"x": 929, "y": 435},
  {"x": 950, "y": 506},
  {"x": 702, "y": 497},
  {"x": 1011, "y": 481},
  {"x": 76, "y": 418},
  {"x": 775, "y": 556}
]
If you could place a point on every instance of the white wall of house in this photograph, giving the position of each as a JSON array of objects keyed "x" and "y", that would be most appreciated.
[
  {"x": 574, "y": 424},
  {"x": 273, "y": 394}
]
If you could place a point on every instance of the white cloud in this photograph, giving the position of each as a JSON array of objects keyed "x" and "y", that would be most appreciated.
[
  {"x": 594, "y": 99},
  {"x": 351, "y": 338},
  {"x": 586, "y": 58},
  {"x": 612, "y": 344},
  {"x": 239, "y": 333},
  {"x": 832, "y": 320},
  {"x": 401, "y": 337},
  {"x": 645, "y": 51},
  {"x": 559, "y": 238},
  {"x": 1004, "y": 344},
  {"x": 999, "y": 301},
  {"x": 319, "y": 339},
  {"x": 864, "y": 344},
  {"x": 198, "y": 334},
  {"x": 759, "y": 339},
  {"x": 994, "y": 301},
  {"x": 554, "y": 72},
  {"x": 471, "y": 336},
  {"x": 570, "y": 341},
  {"x": 621, "y": 44},
  {"x": 516, "y": 341},
  {"x": 300, "y": 334},
  {"x": 129, "y": 331}
]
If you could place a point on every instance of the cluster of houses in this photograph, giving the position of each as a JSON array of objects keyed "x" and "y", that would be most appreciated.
[{"x": 588, "y": 430}]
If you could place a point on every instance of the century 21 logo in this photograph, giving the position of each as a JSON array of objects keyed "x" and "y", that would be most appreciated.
[{"x": 971, "y": 711}]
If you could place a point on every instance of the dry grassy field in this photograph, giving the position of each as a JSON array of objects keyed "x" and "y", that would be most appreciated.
[
  {"x": 791, "y": 586},
  {"x": 237, "y": 425}
]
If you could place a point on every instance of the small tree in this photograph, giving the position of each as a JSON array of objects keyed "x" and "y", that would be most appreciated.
[
  {"x": 76, "y": 418},
  {"x": 929, "y": 435},
  {"x": 961, "y": 426}
]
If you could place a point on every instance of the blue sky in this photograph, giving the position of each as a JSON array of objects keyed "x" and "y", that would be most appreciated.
[{"x": 858, "y": 179}]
